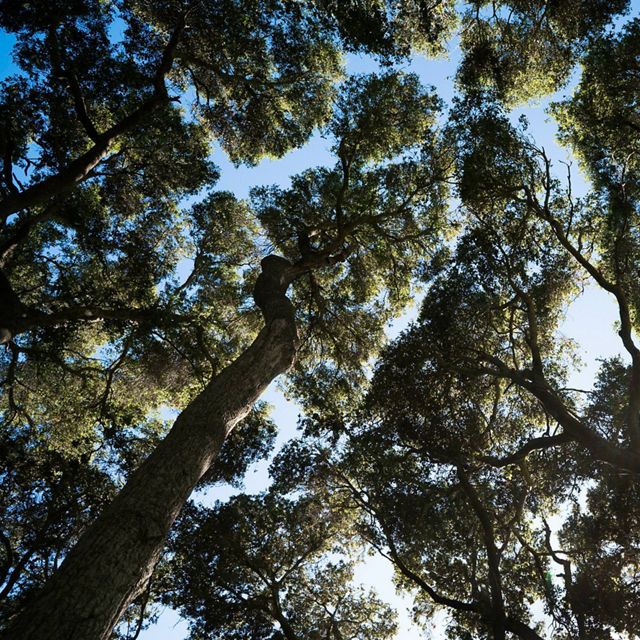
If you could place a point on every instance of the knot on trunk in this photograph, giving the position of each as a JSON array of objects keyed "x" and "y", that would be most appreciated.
[{"x": 271, "y": 287}]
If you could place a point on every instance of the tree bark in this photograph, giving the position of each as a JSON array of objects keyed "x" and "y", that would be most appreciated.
[
  {"x": 116, "y": 556},
  {"x": 11, "y": 310}
]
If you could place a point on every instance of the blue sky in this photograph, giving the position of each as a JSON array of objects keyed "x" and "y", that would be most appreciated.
[{"x": 589, "y": 321}]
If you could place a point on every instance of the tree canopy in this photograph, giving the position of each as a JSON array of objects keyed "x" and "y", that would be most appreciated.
[
  {"x": 133, "y": 289},
  {"x": 272, "y": 573}
]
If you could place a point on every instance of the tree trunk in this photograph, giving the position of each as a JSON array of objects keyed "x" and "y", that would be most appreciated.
[
  {"x": 116, "y": 556},
  {"x": 11, "y": 310}
]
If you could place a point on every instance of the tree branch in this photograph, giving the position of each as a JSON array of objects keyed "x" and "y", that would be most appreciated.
[
  {"x": 544, "y": 442},
  {"x": 573, "y": 426},
  {"x": 78, "y": 170},
  {"x": 493, "y": 555},
  {"x": 72, "y": 84}
]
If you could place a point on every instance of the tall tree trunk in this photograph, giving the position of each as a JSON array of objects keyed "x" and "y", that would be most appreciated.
[{"x": 116, "y": 556}]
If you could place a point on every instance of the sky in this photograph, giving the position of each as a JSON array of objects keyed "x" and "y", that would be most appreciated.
[{"x": 589, "y": 321}]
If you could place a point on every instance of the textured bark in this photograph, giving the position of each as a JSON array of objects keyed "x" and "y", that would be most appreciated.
[
  {"x": 11, "y": 310},
  {"x": 116, "y": 556}
]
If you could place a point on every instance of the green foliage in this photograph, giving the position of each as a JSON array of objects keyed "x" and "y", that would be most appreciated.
[
  {"x": 601, "y": 120},
  {"x": 46, "y": 498},
  {"x": 263, "y": 91},
  {"x": 394, "y": 28},
  {"x": 488, "y": 484},
  {"x": 381, "y": 208},
  {"x": 605, "y": 590},
  {"x": 126, "y": 282},
  {"x": 126, "y": 278},
  {"x": 526, "y": 49},
  {"x": 274, "y": 574}
]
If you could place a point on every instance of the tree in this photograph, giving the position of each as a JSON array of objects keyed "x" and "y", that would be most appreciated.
[
  {"x": 391, "y": 200},
  {"x": 489, "y": 370},
  {"x": 524, "y": 50},
  {"x": 521, "y": 274},
  {"x": 271, "y": 575},
  {"x": 599, "y": 120},
  {"x": 470, "y": 442},
  {"x": 452, "y": 531},
  {"x": 48, "y": 499},
  {"x": 92, "y": 224},
  {"x": 97, "y": 215}
]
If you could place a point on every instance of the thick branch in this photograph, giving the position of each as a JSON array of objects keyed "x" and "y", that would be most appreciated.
[
  {"x": 615, "y": 288},
  {"x": 493, "y": 555},
  {"x": 344, "y": 187},
  {"x": 16, "y": 318},
  {"x": 277, "y": 614},
  {"x": 544, "y": 442},
  {"x": 394, "y": 556},
  {"x": 573, "y": 426},
  {"x": 567, "y": 576},
  {"x": 79, "y": 169},
  {"x": 520, "y": 629},
  {"x": 458, "y": 605},
  {"x": 11, "y": 309},
  {"x": 476, "y": 608}
]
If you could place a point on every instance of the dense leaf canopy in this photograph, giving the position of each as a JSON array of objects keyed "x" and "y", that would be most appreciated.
[{"x": 462, "y": 452}]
